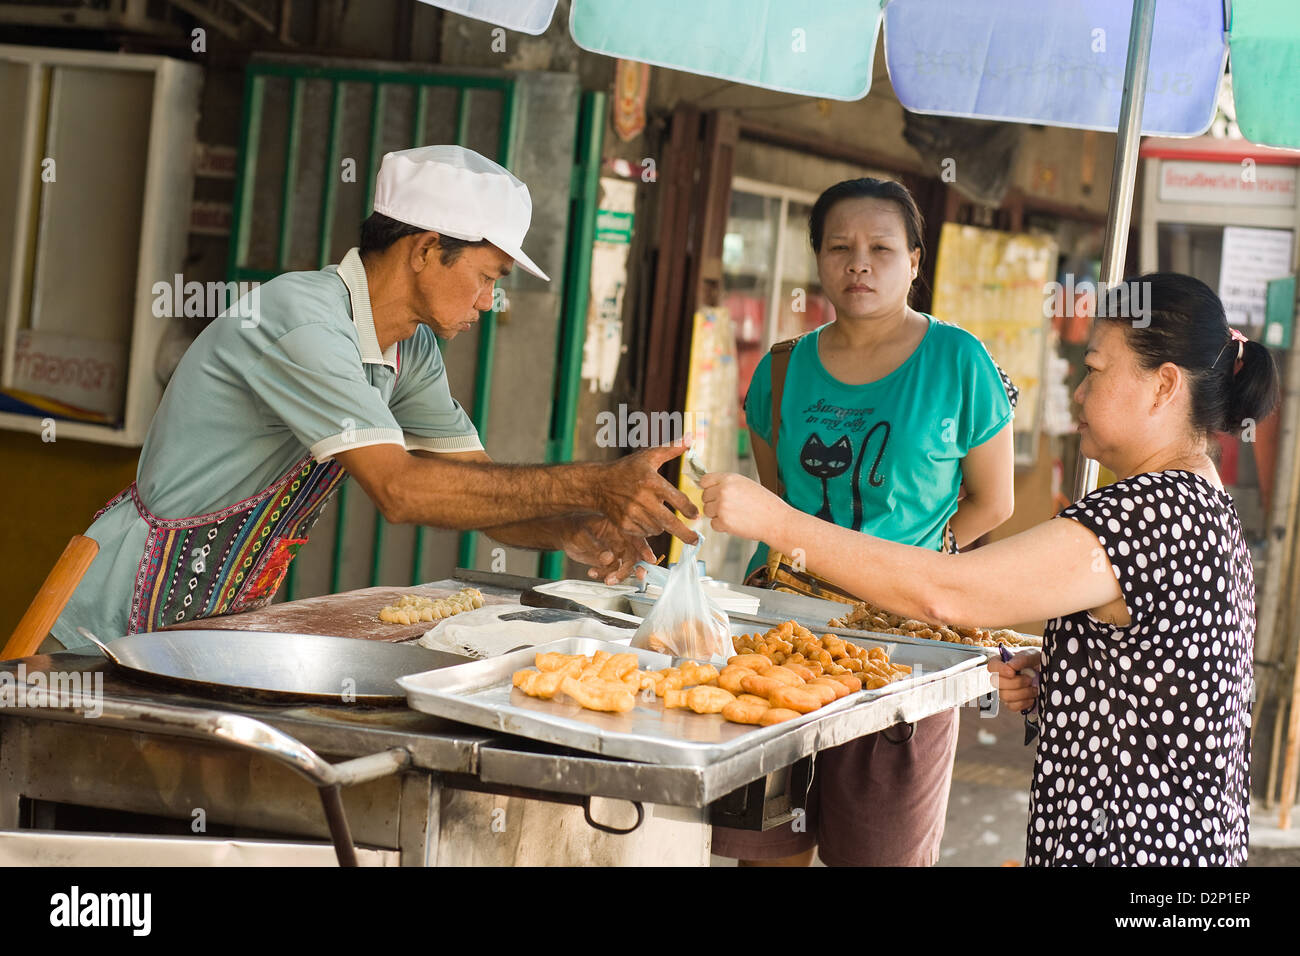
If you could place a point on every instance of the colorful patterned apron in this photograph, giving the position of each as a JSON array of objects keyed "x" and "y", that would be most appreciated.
[
  {"x": 234, "y": 559},
  {"x": 226, "y": 561}
]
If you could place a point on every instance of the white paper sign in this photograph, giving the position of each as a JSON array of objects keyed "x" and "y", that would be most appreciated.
[
  {"x": 1251, "y": 257},
  {"x": 603, "y": 347}
]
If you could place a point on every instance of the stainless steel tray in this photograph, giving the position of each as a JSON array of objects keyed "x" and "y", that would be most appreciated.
[
  {"x": 481, "y": 693},
  {"x": 814, "y": 613}
]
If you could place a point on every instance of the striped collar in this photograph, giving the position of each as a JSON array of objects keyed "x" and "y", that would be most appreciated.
[{"x": 353, "y": 274}]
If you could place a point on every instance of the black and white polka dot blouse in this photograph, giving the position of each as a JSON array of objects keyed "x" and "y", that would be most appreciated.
[{"x": 1144, "y": 757}]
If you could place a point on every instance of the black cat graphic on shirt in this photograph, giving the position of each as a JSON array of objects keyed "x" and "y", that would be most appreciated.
[{"x": 825, "y": 462}]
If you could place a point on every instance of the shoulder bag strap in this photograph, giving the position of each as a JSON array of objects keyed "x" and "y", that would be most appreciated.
[{"x": 780, "y": 366}]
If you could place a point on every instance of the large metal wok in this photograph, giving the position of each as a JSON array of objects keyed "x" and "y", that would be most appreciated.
[
  {"x": 267, "y": 667},
  {"x": 272, "y": 668}
]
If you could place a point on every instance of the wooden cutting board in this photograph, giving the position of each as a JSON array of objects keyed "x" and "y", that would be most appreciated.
[{"x": 349, "y": 614}]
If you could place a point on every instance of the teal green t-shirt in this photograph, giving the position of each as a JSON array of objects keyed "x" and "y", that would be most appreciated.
[{"x": 883, "y": 458}]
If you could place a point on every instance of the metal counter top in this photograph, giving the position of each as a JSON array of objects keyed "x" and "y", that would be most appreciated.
[{"x": 347, "y": 731}]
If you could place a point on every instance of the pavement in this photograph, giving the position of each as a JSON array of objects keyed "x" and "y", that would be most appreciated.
[{"x": 988, "y": 806}]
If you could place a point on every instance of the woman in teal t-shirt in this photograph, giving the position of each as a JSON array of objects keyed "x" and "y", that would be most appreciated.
[
  {"x": 887, "y": 457},
  {"x": 887, "y": 416}
]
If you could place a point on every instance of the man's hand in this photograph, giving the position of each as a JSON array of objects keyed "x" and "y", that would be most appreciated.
[
  {"x": 640, "y": 501},
  {"x": 610, "y": 552}
]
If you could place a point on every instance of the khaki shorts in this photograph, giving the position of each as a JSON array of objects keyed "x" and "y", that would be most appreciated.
[{"x": 879, "y": 800}]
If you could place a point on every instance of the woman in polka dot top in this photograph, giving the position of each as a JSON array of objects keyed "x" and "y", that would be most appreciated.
[{"x": 1145, "y": 678}]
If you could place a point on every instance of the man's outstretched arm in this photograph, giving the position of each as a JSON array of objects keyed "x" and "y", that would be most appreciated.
[{"x": 467, "y": 492}]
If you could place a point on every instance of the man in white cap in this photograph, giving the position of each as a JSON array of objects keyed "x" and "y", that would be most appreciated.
[{"x": 338, "y": 373}]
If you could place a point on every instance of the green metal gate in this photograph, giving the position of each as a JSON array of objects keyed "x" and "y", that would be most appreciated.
[{"x": 311, "y": 142}]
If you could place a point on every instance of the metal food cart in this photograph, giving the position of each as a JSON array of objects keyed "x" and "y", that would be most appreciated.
[{"x": 164, "y": 776}]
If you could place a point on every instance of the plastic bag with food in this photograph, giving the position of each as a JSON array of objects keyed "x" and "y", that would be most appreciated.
[{"x": 684, "y": 622}]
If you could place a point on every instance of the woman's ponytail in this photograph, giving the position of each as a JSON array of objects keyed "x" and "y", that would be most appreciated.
[{"x": 1253, "y": 390}]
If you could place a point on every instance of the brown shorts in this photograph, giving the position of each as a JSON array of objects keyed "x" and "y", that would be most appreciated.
[{"x": 873, "y": 802}]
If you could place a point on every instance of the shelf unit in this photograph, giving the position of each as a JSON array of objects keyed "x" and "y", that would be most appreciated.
[{"x": 82, "y": 253}]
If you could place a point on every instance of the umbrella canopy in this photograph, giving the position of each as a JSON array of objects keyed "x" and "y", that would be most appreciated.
[
  {"x": 1059, "y": 65},
  {"x": 824, "y": 50},
  {"x": 1020, "y": 61},
  {"x": 1133, "y": 66},
  {"x": 1265, "y": 42}
]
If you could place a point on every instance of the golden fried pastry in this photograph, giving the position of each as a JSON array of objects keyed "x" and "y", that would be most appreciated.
[
  {"x": 795, "y": 698},
  {"x": 876, "y": 669},
  {"x": 810, "y": 658},
  {"x": 540, "y": 684},
  {"x": 599, "y": 695},
  {"x": 741, "y": 711},
  {"x": 851, "y": 681},
  {"x": 670, "y": 679},
  {"x": 689, "y": 674},
  {"x": 554, "y": 662},
  {"x": 752, "y": 699},
  {"x": 752, "y": 661},
  {"x": 697, "y": 673},
  {"x": 760, "y": 686},
  {"x": 836, "y": 688},
  {"x": 824, "y": 693},
  {"x": 806, "y": 673},
  {"x": 548, "y": 685},
  {"x": 867, "y": 617},
  {"x": 617, "y": 666},
  {"x": 730, "y": 677},
  {"x": 777, "y": 715},
  {"x": 784, "y": 675},
  {"x": 702, "y": 700}
]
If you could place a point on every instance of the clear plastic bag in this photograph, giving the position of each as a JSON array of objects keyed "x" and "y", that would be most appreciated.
[{"x": 684, "y": 622}]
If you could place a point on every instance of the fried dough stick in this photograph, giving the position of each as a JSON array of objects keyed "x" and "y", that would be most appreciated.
[
  {"x": 606, "y": 696},
  {"x": 702, "y": 700}
]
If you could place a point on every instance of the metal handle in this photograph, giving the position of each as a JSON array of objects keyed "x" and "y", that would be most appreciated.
[
  {"x": 534, "y": 598},
  {"x": 247, "y": 733},
  {"x": 331, "y": 799},
  {"x": 52, "y": 598},
  {"x": 911, "y": 729},
  {"x": 604, "y": 828}
]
